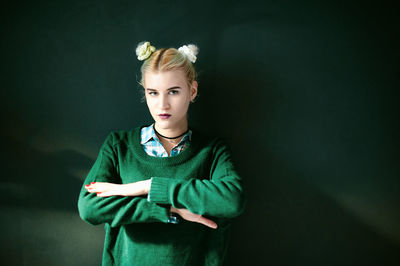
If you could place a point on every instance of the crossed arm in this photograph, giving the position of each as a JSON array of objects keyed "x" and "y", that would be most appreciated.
[
  {"x": 140, "y": 188},
  {"x": 103, "y": 199}
]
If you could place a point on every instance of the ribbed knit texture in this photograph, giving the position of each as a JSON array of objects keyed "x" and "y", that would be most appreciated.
[{"x": 201, "y": 179}]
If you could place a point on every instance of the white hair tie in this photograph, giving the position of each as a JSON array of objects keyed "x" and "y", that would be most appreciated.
[
  {"x": 144, "y": 50},
  {"x": 190, "y": 51}
]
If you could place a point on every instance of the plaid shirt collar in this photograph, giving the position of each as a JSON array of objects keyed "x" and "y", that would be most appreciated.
[
  {"x": 148, "y": 134},
  {"x": 153, "y": 146}
]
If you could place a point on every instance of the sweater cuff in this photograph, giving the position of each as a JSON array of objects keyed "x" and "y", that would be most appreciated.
[
  {"x": 160, "y": 213},
  {"x": 159, "y": 190},
  {"x": 148, "y": 194}
]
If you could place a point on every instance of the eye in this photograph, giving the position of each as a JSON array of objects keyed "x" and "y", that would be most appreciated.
[
  {"x": 172, "y": 92},
  {"x": 152, "y": 93}
]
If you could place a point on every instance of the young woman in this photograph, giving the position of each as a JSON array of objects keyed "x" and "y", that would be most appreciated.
[{"x": 166, "y": 193}]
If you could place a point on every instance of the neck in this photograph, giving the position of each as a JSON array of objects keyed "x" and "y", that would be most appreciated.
[{"x": 171, "y": 134}]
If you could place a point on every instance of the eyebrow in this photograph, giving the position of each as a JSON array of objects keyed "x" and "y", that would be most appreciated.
[{"x": 172, "y": 88}]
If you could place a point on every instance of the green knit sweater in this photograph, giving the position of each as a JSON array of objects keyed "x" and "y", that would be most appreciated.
[{"x": 201, "y": 179}]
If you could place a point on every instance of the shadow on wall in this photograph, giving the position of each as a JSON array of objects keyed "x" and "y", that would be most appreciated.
[
  {"x": 289, "y": 221},
  {"x": 39, "y": 193},
  {"x": 35, "y": 179}
]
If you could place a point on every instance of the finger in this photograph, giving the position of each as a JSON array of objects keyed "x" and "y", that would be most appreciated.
[
  {"x": 91, "y": 185},
  {"x": 96, "y": 190},
  {"x": 87, "y": 186},
  {"x": 207, "y": 222},
  {"x": 97, "y": 187},
  {"x": 92, "y": 189},
  {"x": 103, "y": 194}
]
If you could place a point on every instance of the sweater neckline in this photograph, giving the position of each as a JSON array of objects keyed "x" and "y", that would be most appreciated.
[{"x": 174, "y": 160}]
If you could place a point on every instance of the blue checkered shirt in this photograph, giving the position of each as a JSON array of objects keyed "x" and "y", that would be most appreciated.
[{"x": 153, "y": 146}]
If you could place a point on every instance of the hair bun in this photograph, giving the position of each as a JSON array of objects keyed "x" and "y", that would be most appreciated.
[
  {"x": 194, "y": 49},
  {"x": 144, "y": 50},
  {"x": 190, "y": 51}
]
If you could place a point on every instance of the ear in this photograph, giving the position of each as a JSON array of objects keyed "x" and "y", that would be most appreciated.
[{"x": 193, "y": 90}]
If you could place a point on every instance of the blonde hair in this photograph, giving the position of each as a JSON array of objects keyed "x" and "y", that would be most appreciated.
[{"x": 169, "y": 59}]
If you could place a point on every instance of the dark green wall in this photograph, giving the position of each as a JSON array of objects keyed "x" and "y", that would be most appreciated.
[{"x": 304, "y": 91}]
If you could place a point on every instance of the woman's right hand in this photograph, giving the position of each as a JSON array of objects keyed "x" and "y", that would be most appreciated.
[{"x": 191, "y": 217}]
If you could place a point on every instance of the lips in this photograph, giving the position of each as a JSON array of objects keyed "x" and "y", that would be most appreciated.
[{"x": 164, "y": 116}]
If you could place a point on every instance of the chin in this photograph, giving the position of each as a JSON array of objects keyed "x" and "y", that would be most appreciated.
[
  {"x": 168, "y": 124},
  {"x": 163, "y": 124}
]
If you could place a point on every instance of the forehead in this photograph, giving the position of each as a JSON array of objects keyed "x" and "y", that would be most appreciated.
[{"x": 164, "y": 79}]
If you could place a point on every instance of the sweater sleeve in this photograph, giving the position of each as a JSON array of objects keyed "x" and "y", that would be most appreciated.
[
  {"x": 222, "y": 195},
  {"x": 116, "y": 210}
]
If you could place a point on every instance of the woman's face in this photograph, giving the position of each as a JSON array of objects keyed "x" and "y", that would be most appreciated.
[{"x": 168, "y": 96}]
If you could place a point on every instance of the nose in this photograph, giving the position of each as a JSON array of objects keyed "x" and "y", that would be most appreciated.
[{"x": 164, "y": 102}]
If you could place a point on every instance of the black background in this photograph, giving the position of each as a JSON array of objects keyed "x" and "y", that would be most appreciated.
[{"x": 305, "y": 92}]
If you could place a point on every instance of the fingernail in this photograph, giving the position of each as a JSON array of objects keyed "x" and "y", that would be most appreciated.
[
  {"x": 92, "y": 182},
  {"x": 87, "y": 185}
]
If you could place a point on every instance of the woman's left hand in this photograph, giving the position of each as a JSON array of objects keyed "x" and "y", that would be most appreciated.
[{"x": 104, "y": 189}]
